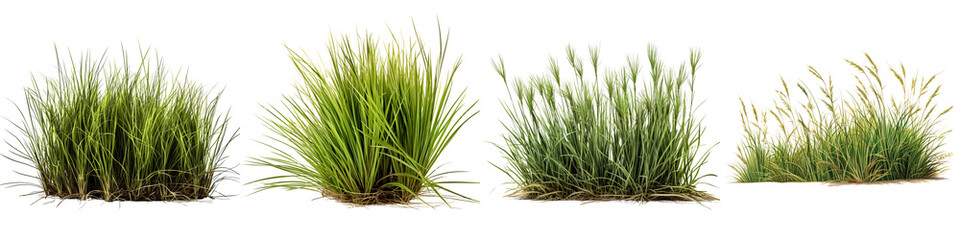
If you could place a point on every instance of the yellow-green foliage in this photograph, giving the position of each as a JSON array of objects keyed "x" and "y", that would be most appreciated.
[{"x": 883, "y": 130}]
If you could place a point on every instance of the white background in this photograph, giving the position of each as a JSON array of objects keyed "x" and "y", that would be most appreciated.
[{"x": 747, "y": 46}]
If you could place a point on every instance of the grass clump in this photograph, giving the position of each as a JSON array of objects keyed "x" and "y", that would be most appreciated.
[
  {"x": 131, "y": 131},
  {"x": 875, "y": 133},
  {"x": 369, "y": 127},
  {"x": 609, "y": 138}
]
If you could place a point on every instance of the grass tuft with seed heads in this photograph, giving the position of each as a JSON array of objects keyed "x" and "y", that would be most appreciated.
[
  {"x": 368, "y": 127},
  {"x": 615, "y": 137},
  {"x": 128, "y": 131},
  {"x": 887, "y": 129}
]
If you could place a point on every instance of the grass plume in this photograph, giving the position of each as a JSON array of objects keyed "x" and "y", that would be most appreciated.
[
  {"x": 886, "y": 129},
  {"x": 605, "y": 137}
]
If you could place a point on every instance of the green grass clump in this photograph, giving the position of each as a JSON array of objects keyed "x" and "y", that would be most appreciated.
[
  {"x": 609, "y": 138},
  {"x": 876, "y": 133},
  {"x": 121, "y": 132},
  {"x": 369, "y": 127}
]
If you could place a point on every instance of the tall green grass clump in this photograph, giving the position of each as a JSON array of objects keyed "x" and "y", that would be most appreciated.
[
  {"x": 886, "y": 129},
  {"x": 616, "y": 137},
  {"x": 368, "y": 127},
  {"x": 127, "y": 131}
]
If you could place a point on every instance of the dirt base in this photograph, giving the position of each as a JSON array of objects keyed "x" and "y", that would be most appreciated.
[{"x": 537, "y": 192}]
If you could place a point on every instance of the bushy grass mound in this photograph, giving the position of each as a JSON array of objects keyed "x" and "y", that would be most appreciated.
[
  {"x": 615, "y": 137},
  {"x": 368, "y": 127},
  {"x": 886, "y": 129},
  {"x": 128, "y": 131}
]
